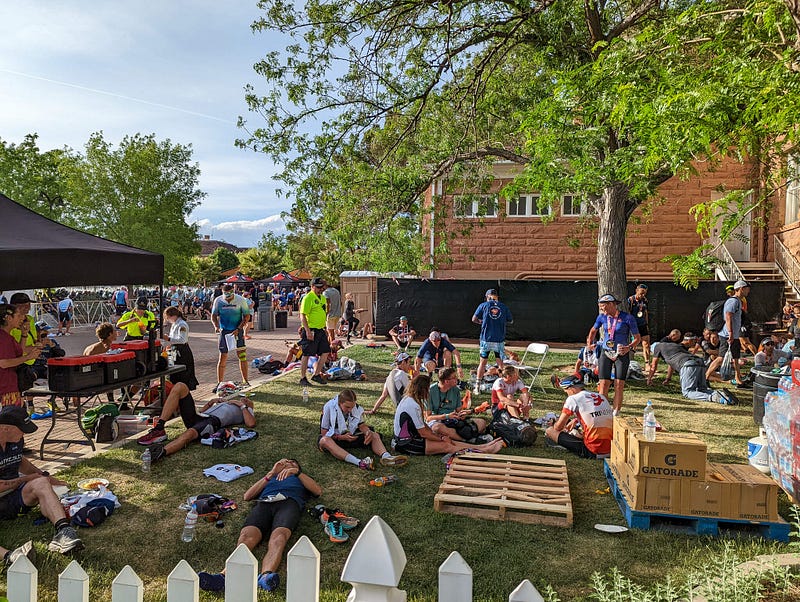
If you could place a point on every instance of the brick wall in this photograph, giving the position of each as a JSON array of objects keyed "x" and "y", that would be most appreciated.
[{"x": 513, "y": 247}]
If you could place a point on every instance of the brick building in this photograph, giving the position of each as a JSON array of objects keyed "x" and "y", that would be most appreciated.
[{"x": 511, "y": 240}]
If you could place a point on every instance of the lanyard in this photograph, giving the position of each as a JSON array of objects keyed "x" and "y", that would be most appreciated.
[{"x": 612, "y": 326}]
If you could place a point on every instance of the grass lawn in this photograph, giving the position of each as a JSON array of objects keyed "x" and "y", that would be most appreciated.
[{"x": 145, "y": 532}]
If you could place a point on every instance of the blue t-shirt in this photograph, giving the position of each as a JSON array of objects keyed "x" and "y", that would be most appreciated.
[
  {"x": 732, "y": 306},
  {"x": 230, "y": 314},
  {"x": 619, "y": 328},
  {"x": 494, "y": 316},
  {"x": 65, "y": 305},
  {"x": 428, "y": 351},
  {"x": 292, "y": 487}
]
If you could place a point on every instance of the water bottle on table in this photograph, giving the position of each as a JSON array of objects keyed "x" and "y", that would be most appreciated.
[
  {"x": 189, "y": 525},
  {"x": 649, "y": 422}
]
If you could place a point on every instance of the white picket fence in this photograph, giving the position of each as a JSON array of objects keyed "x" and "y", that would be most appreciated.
[{"x": 373, "y": 568}]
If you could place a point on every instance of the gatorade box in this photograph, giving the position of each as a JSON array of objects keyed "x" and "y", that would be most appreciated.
[
  {"x": 671, "y": 456},
  {"x": 74, "y": 373},
  {"x": 118, "y": 366}
]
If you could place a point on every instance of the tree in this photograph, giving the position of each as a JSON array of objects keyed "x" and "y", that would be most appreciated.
[
  {"x": 225, "y": 258},
  {"x": 576, "y": 92},
  {"x": 265, "y": 259},
  {"x": 204, "y": 270}
]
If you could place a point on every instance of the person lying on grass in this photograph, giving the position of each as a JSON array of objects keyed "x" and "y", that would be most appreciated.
[
  {"x": 280, "y": 498},
  {"x": 216, "y": 414},
  {"x": 396, "y": 382},
  {"x": 342, "y": 429},
  {"x": 413, "y": 437}
]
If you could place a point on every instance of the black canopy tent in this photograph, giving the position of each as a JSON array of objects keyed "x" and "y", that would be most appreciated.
[{"x": 37, "y": 252}]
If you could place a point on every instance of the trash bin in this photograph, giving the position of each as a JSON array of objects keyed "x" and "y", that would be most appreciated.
[
  {"x": 281, "y": 319},
  {"x": 264, "y": 319},
  {"x": 764, "y": 381}
]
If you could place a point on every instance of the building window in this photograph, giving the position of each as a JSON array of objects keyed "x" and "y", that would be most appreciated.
[
  {"x": 475, "y": 206},
  {"x": 792, "y": 191},
  {"x": 526, "y": 205},
  {"x": 571, "y": 206}
]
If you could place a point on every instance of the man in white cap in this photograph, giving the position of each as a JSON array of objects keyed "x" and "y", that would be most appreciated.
[
  {"x": 493, "y": 317},
  {"x": 730, "y": 336}
]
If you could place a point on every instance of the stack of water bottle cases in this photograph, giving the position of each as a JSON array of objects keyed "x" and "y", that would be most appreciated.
[{"x": 782, "y": 426}]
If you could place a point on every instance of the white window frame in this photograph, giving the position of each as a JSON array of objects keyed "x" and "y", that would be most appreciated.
[
  {"x": 792, "y": 213},
  {"x": 480, "y": 206},
  {"x": 581, "y": 206},
  {"x": 531, "y": 208}
]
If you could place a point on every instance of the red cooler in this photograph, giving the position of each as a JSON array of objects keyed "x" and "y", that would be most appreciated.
[
  {"x": 75, "y": 373},
  {"x": 118, "y": 366}
]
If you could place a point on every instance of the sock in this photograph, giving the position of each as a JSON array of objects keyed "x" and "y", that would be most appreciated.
[
  {"x": 160, "y": 424},
  {"x": 352, "y": 459},
  {"x": 386, "y": 454},
  {"x": 5, "y": 556},
  {"x": 60, "y": 524}
]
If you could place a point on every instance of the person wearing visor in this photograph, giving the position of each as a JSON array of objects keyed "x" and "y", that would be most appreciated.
[
  {"x": 229, "y": 314},
  {"x": 136, "y": 322},
  {"x": 769, "y": 355},
  {"x": 620, "y": 335},
  {"x": 585, "y": 426}
]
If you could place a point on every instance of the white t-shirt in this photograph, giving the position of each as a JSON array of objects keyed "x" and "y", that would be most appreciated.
[
  {"x": 336, "y": 422},
  {"x": 396, "y": 384},
  {"x": 410, "y": 408},
  {"x": 596, "y": 416},
  {"x": 179, "y": 332},
  {"x": 507, "y": 389}
]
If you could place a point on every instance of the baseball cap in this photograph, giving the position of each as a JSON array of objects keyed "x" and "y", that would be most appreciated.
[
  {"x": 403, "y": 319},
  {"x": 736, "y": 285},
  {"x": 767, "y": 340},
  {"x": 18, "y": 417},
  {"x": 570, "y": 381},
  {"x": 435, "y": 335},
  {"x": 18, "y": 298},
  {"x": 492, "y": 292},
  {"x": 642, "y": 285},
  {"x": 606, "y": 298},
  {"x": 42, "y": 325},
  {"x": 401, "y": 357},
  {"x": 729, "y": 287},
  {"x": 318, "y": 281},
  {"x": 141, "y": 303}
]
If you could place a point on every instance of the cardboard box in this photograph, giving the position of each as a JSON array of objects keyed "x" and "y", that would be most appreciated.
[
  {"x": 648, "y": 494},
  {"x": 671, "y": 456},
  {"x": 754, "y": 494},
  {"x": 619, "y": 444},
  {"x": 710, "y": 497}
]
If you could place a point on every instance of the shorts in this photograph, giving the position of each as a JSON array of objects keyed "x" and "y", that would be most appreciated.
[
  {"x": 437, "y": 359},
  {"x": 268, "y": 516},
  {"x": 332, "y": 322},
  {"x": 487, "y": 347},
  {"x": 620, "y": 366},
  {"x": 64, "y": 316},
  {"x": 735, "y": 347},
  {"x": 575, "y": 445},
  {"x": 121, "y": 309},
  {"x": 465, "y": 429},
  {"x": 206, "y": 426},
  {"x": 224, "y": 341},
  {"x": 359, "y": 443},
  {"x": 644, "y": 329},
  {"x": 410, "y": 447},
  {"x": 11, "y": 504},
  {"x": 318, "y": 345}
]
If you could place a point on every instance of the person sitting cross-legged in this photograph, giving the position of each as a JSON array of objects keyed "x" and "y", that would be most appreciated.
[
  {"x": 503, "y": 390},
  {"x": 444, "y": 413},
  {"x": 342, "y": 429},
  {"x": 280, "y": 498},
  {"x": 216, "y": 414}
]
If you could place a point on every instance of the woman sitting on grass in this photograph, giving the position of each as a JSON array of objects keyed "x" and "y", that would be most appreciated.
[
  {"x": 342, "y": 429},
  {"x": 415, "y": 438}
]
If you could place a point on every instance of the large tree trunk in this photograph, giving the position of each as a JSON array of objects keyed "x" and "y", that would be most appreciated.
[{"x": 611, "y": 272}]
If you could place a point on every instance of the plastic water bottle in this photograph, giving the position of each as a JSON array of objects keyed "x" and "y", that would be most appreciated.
[
  {"x": 305, "y": 394},
  {"x": 189, "y": 525},
  {"x": 649, "y": 422},
  {"x": 381, "y": 481},
  {"x": 147, "y": 460}
]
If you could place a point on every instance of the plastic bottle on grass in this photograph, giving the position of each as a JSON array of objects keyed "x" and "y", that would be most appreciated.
[
  {"x": 147, "y": 460},
  {"x": 305, "y": 394},
  {"x": 189, "y": 526},
  {"x": 649, "y": 422},
  {"x": 381, "y": 481}
]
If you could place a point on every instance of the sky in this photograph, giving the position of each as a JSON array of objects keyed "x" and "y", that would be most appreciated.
[{"x": 173, "y": 68}]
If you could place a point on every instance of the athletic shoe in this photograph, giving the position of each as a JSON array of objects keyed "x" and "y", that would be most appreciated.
[
  {"x": 487, "y": 438},
  {"x": 347, "y": 522},
  {"x": 66, "y": 540},
  {"x": 25, "y": 549},
  {"x": 211, "y": 582},
  {"x": 304, "y": 382},
  {"x": 317, "y": 378},
  {"x": 269, "y": 581},
  {"x": 216, "y": 388},
  {"x": 477, "y": 389},
  {"x": 399, "y": 460},
  {"x": 154, "y": 435},
  {"x": 335, "y": 531},
  {"x": 157, "y": 453},
  {"x": 366, "y": 464},
  {"x": 730, "y": 397},
  {"x": 554, "y": 380}
]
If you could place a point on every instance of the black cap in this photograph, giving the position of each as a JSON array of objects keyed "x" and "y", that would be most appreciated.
[
  {"x": 18, "y": 298},
  {"x": 141, "y": 303},
  {"x": 318, "y": 281},
  {"x": 18, "y": 417}
]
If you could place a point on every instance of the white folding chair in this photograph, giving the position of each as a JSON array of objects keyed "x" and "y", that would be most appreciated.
[{"x": 534, "y": 349}]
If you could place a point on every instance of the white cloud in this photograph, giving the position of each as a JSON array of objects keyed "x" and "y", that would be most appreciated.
[{"x": 243, "y": 233}]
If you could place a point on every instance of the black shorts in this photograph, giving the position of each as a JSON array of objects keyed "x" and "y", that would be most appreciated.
[
  {"x": 575, "y": 445},
  {"x": 735, "y": 347},
  {"x": 620, "y": 365},
  {"x": 410, "y": 447},
  {"x": 359, "y": 443},
  {"x": 268, "y": 516},
  {"x": 644, "y": 329},
  {"x": 318, "y": 345},
  {"x": 11, "y": 504},
  {"x": 206, "y": 426},
  {"x": 64, "y": 316}
]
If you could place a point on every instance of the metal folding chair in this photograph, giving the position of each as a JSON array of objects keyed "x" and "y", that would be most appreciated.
[{"x": 534, "y": 349}]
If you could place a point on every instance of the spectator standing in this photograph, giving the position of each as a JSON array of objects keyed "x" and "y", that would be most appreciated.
[
  {"x": 637, "y": 303},
  {"x": 26, "y": 334},
  {"x": 12, "y": 355},
  {"x": 313, "y": 335},
  {"x": 178, "y": 339},
  {"x": 229, "y": 314},
  {"x": 65, "y": 310},
  {"x": 334, "y": 308},
  {"x": 731, "y": 333},
  {"x": 349, "y": 315},
  {"x": 120, "y": 299},
  {"x": 492, "y": 315}
]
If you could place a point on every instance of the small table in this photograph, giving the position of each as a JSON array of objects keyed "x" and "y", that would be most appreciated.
[{"x": 83, "y": 396}]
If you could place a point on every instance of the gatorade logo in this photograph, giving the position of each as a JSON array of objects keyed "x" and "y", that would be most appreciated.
[{"x": 670, "y": 459}]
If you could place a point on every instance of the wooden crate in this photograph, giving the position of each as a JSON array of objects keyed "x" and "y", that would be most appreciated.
[{"x": 497, "y": 487}]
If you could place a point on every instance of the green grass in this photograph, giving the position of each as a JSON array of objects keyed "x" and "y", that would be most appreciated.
[{"x": 145, "y": 532}]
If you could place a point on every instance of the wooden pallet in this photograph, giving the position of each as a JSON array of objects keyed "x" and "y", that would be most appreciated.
[
  {"x": 497, "y": 487},
  {"x": 694, "y": 525}
]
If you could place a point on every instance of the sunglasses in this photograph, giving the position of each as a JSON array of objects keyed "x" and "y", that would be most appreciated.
[{"x": 770, "y": 344}]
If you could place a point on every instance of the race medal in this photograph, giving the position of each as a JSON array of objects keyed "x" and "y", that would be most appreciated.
[{"x": 639, "y": 315}]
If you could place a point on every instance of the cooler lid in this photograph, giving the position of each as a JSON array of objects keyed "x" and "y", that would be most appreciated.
[
  {"x": 109, "y": 358},
  {"x": 75, "y": 360}
]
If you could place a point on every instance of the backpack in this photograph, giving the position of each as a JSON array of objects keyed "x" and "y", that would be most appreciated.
[
  {"x": 271, "y": 366},
  {"x": 93, "y": 513},
  {"x": 105, "y": 430},
  {"x": 210, "y": 506},
  {"x": 92, "y": 415},
  {"x": 514, "y": 431},
  {"x": 713, "y": 318}
]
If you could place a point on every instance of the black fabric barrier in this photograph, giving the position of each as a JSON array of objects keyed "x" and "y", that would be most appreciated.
[{"x": 550, "y": 310}]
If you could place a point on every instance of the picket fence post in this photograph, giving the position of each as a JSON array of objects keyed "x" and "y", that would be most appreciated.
[
  {"x": 302, "y": 572},
  {"x": 127, "y": 586},
  {"x": 23, "y": 581},
  {"x": 73, "y": 584},
  {"x": 525, "y": 592},
  {"x": 183, "y": 585},
  {"x": 375, "y": 565},
  {"x": 455, "y": 579},
  {"x": 241, "y": 572}
]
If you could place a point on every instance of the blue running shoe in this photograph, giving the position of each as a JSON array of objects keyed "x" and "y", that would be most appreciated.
[
  {"x": 335, "y": 531},
  {"x": 211, "y": 582},
  {"x": 269, "y": 581}
]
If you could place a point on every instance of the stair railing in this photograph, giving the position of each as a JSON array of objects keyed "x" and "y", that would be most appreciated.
[
  {"x": 788, "y": 264},
  {"x": 725, "y": 262}
]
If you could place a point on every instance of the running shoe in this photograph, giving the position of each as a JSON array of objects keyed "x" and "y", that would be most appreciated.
[
  {"x": 348, "y": 522},
  {"x": 157, "y": 453},
  {"x": 366, "y": 464},
  {"x": 398, "y": 460},
  {"x": 66, "y": 540},
  {"x": 211, "y": 582},
  {"x": 25, "y": 549},
  {"x": 269, "y": 581},
  {"x": 154, "y": 435},
  {"x": 335, "y": 531},
  {"x": 317, "y": 378},
  {"x": 304, "y": 382}
]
